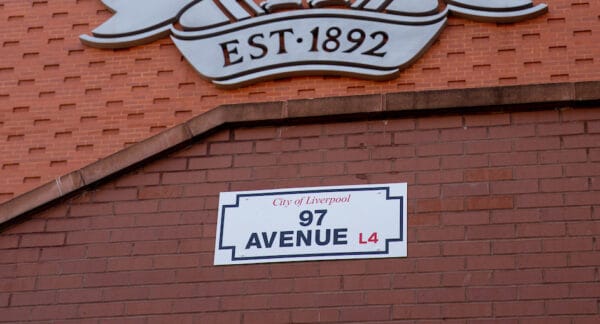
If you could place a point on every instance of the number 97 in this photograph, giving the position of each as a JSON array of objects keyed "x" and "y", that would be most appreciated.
[{"x": 307, "y": 217}]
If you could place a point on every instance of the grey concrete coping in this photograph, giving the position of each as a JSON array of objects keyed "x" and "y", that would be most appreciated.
[{"x": 326, "y": 109}]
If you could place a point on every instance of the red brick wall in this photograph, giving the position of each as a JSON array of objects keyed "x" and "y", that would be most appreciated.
[
  {"x": 64, "y": 105},
  {"x": 503, "y": 226}
]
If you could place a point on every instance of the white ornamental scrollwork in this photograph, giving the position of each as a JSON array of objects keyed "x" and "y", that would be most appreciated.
[{"x": 237, "y": 42}]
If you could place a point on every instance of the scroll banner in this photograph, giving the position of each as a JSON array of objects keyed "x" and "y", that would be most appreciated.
[{"x": 319, "y": 223}]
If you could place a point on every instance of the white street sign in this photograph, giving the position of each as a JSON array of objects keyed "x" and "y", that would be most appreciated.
[{"x": 320, "y": 223}]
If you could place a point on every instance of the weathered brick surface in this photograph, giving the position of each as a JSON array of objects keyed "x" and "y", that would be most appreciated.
[
  {"x": 516, "y": 243},
  {"x": 65, "y": 105}
]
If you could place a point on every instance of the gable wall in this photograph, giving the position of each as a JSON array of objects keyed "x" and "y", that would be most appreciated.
[{"x": 503, "y": 226}]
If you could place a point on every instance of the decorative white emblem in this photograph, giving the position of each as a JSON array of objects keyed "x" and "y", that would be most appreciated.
[{"x": 236, "y": 42}]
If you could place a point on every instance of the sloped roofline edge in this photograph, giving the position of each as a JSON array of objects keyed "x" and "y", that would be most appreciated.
[{"x": 433, "y": 101}]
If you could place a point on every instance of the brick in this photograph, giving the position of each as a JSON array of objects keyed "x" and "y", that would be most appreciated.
[
  {"x": 48, "y": 312},
  {"x": 467, "y": 310},
  {"x": 518, "y": 277},
  {"x": 531, "y": 117},
  {"x": 60, "y": 282},
  {"x": 517, "y": 246},
  {"x": 464, "y": 162},
  {"x": 513, "y": 158},
  {"x": 91, "y": 209},
  {"x": 385, "y": 297},
  {"x": 487, "y": 119},
  {"x": 563, "y": 156},
  {"x": 546, "y": 291},
  {"x": 124, "y": 293},
  {"x": 569, "y": 275},
  {"x": 564, "y": 184},
  {"x": 584, "y": 259},
  {"x": 464, "y": 134},
  {"x": 244, "y": 302},
  {"x": 267, "y": 317},
  {"x": 514, "y": 187},
  {"x": 82, "y": 237},
  {"x": 416, "y": 137},
  {"x": 250, "y": 160},
  {"x": 365, "y": 313},
  {"x": 488, "y": 174},
  {"x": 136, "y": 207},
  {"x": 345, "y": 128},
  {"x": 251, "y": 133},
  {"x": 465, "y": 189},
  {"x": 491, "y": 293},
  {"x": 369, "y": 140},
  {"x": 101, "y": 310},
  {"x": 41, "y": 240},
  {"x": 320, "y": 143},
  {"x": 585, "y": 290},
  {"x": 466, "y": 218},
  {"x": 33, "y": 298},
  {"x": 83, "y": 266},
  {"x": 520, "y": 308},
  {"x": 390, "y": 152},
  {"x": 62, "y": 252},
  {"x": 440, "y": 122},
  {"x": 538, "y": 172},
  {"x": 416, "y": 280},
  {"x": 426, "y": 311},
  {"x": 582, "y": 198},
  {"x": 568, "y": 128},
  {"x": 9, "y": 241},
  {"x": 494, "y": 202},
  {"x": 482, "y": 147},
  {"x": 583, "y": 229},
  {"x": 437, "y": 149},
  {"x": 107, "y": 195},
  {"x": 109, "y": 249},
  {"x": 154, "y": 247},
  {"x": 572, "y": 307},
  {"x": 566, "y": 213},
  {"x": 277, "y": 146},
  {"x": 466, "y": 248},
  {"x": 539, "y": 200},
  {"x": 568, "y": 244},
  {"x": 183, "y": 177},
  {"x": 425, "y": 250},
  {"x": 490, "y": 232},
  {"x": 467, "y": 278},
  {"x": 32, "y": 226},
  {"x": 491, "y": 262},
  {"x": 367, "y": 282},
  {"x": 140, "y": 179},
  {"x": 147, "y": 307},
  {"x": 541, "y": 230},
  {"x": 440, "y": 264},
  {"x": 440, "y": 295},
  {"x": 512, "y": 131},
  {"x": 227, "y": 148},
  {"x": 542, "y": 261},
  {"x": 271, "y": 286},
  {"x": 61, "y": 225},
  {"x": 217, "y": 318},
  {"x": 581, "y": 141},
  {"x": 582, "y": 169},
  {"x": 129, "y": 263},
  {"x": 173, "y": 164}
]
